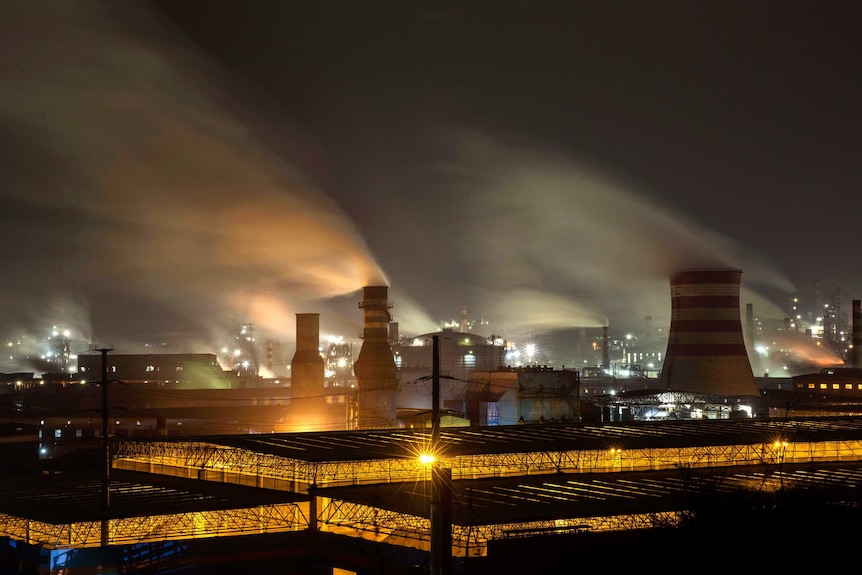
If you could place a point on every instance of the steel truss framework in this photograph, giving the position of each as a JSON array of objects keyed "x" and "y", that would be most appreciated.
[
  {"x": 233, "y": 465},
  {"x": 337, "y": 513},
  {"x": 238, "y": 466},
  {"x": 274, "y": 518},
  {"x": 376, "y": 524}
]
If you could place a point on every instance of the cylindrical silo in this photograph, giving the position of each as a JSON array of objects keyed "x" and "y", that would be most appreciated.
[{"x": 706, "y": 349}]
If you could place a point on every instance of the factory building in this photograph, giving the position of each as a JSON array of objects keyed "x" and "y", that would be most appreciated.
[
  {"x": 183, "y": 371},
  {"x": 460, "y": 356},
  {"x": 319, "y": 494}
]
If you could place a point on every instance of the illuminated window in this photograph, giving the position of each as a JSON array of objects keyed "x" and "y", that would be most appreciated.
[
  {"x": 836, "y": 386},
  {"x": 151, "y": 368},
  {"x": 58, "y": 433},
  {"x": 810, "y": 386},
  {"x": 822, "y": 386},
  {"x": 848, "y": 386}
]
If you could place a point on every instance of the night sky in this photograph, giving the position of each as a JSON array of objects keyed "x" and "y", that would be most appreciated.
[{"x": 170, "y": 170}]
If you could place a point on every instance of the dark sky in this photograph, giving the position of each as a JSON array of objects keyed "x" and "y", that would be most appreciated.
[{"x": 172, "y": 169}]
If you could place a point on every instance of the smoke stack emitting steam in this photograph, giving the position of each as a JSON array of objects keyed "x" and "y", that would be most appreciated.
[
  {"x": 375, "y": 370},
  {"x": 706, "y": 349}
]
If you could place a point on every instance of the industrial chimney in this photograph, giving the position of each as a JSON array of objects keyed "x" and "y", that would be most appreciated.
[
  {"x": 750, "y": 337},
  {"x": 706, "y": 349},
  {"x": 307, "y": 374},
  {"x": 856, "y": 352},
  {"x": 606, "y": 358},
  {"x": 375, "y": 370}
]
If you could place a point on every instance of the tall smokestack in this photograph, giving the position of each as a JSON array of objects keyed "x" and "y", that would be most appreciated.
[
  {"x": 856, "y": 352},
  {"x": 375, "y": 370},
  {"x": 463, "y": 319},
  {"x": 269, "y": 355},
  {"x": 749, "y": 336},
  {"x": 606, "y": 358},
  {"x": 649, "y": 333},
  {"x": 749, "y": 323},
  {"x": 706, "y": 348},
  {"x": 307, "y": 374}
]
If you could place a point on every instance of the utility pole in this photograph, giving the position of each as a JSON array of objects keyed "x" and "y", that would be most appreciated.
[
  {"x": 441, "y": 482},
  {"x": 106, "y": 449}
]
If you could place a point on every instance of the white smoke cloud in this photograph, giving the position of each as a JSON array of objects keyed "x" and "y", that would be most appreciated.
[
  {"x": 173, "y": 203},
  {"x": 151, "y": 180},
  {"x": 551, "y": 241}
]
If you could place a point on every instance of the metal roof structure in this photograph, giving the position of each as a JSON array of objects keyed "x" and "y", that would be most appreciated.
[
  {"x": 72, "y": 497},
  {"x": 507, "y": 481},
  {"x": 566, "y": 496},
  {"x": 367, "y": 445}
]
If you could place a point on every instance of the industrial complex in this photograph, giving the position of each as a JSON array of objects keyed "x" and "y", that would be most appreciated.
[{"x": 436, "y": 456}]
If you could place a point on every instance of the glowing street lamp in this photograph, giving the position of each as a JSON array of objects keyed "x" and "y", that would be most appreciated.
[{"x": 426, "y": 459}]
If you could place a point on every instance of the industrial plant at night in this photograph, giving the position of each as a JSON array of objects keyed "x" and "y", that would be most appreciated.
[
  {"x": 332, "y": 468},
  {"x": 309, "y": 288}
]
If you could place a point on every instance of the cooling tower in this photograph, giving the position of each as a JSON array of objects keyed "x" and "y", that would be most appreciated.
[
  {"x": 706, "y": 349},
  {"x": 856, "y": 352},
  {"x": 375, "y": 371}
]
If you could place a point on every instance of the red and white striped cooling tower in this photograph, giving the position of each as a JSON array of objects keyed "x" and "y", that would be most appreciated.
[{"x": 706, "y": 349}]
